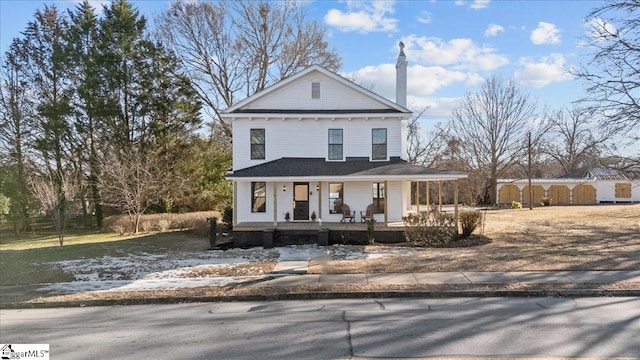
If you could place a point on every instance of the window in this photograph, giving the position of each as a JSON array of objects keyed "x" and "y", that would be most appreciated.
[
  {"x": 379, "y": 144},
  {"x": 378, "y": 198},
  {"x": 258, "y": 197},
  {"x": 257, "y": 144},
  {"x": 336, "y": 196},
  {"x": 335, "y": 144},
  {"x": 315, "y": 90}
]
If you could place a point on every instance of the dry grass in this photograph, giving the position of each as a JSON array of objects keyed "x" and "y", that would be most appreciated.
[
  {"x": 162, "y": 222},
  {"x": 222, "y": 292},
  {"x": 243, "y": 269},
  {"x": 604, "y": 237}
]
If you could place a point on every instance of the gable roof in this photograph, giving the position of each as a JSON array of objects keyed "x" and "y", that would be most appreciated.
[
  {"x": 351, "y": 169},
  {"x": 244, "y": 106}
]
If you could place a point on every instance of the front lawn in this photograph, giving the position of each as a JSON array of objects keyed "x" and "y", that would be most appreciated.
[{"x": 603, "y": 237}]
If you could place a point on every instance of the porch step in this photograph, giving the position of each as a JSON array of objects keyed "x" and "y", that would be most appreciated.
[{"x": 291, "y": 267}]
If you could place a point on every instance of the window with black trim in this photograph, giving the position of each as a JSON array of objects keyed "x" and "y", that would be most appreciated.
[
  {"x": 258, "y": 197},
  {"x": 378, "y": 198},
  {"x": 335, "y": 144},
  {"x": 379, "y": 144},
  {"x": 336, "y": 197},
  {"x": 257, "y": 144}
]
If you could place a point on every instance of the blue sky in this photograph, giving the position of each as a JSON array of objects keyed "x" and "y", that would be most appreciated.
[{"x": 451, "y": 45}]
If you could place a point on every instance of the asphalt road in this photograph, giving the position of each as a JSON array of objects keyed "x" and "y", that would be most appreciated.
[{"x": 336, "y": 329}]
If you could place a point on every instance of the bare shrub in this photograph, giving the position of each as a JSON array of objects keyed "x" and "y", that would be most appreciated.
[
  {"x": 119, "y": 229},
  {"x": 469, "y": 220},
  {"x": 196, "y": 221},
  {"x": 434, "y": 229},
  {"x": 145, "y": 226},
  {"x": 164, "y": 225}
]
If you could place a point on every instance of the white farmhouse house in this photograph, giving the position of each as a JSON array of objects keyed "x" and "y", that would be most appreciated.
[{"x": 314, "y": 142}]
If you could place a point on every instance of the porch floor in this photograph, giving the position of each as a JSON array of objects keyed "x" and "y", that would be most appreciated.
[{"x": 309, "y": 225}]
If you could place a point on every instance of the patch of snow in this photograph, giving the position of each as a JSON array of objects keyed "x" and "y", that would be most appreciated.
[{"x": 147, "y": 271}]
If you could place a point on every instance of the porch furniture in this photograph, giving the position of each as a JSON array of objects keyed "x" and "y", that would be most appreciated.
[
  {"x": 367, "y": 214},
  {"x": 347, "y": 214}
]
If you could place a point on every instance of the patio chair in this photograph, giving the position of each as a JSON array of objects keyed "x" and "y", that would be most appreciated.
[
  {"x": 347, "y": 214},
  {"x": 368, "y": 214}
]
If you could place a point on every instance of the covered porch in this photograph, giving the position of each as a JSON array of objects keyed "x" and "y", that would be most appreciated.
[{"x": 328, "y": 202}]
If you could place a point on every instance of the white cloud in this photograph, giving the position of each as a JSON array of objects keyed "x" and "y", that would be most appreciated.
[
  {"x": 437, "y": 108},
  {"x": 422, "y": 80},
  {"x": 480, "y": 4},
  {"x": 363, "y": 16},
  {"x": 424, "y": 17},
  {"x": 460, "y": 54},
  {"x": 475, "y": 4},
  {"x": 493, "y": 30},
  {"x": 97, "y": 4},
  {"x": 545, "y": 33},
  {"x": 599, "y": 29},
  {"x": 539, "y": 74}
]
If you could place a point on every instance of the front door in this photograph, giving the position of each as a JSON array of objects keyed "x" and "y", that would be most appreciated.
[{"x": 300, "y": 201}]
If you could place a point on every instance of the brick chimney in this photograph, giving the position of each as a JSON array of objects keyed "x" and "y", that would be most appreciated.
[{"x": 401, "y": 77}]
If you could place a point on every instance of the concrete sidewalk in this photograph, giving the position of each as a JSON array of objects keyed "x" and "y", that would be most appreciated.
[
  {"x": 437, "y": 284},
  {"x": 456, "y": 278}
]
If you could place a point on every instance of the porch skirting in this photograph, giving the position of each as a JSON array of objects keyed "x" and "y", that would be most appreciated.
[{"x": 323, "y": 236}]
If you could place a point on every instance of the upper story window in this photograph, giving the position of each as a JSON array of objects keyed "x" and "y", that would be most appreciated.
[
  {"x": 315, "y": 90},
  {"x": 379, "y": 144},
  {"x": 335, "y": 144},
  {"x": 257, "y": 144}
]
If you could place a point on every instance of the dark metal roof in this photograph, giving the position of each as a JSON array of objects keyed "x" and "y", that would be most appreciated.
[
  {"x": 305, "y": 167},
  {"x": 602, "y": 174}
]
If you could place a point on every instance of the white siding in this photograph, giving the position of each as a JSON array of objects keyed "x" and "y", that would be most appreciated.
[
  {"x": 309, "y": 138},
  {"x": 606, "y": 191},
  {"x": 243, "y": 211},
  {"x": 395, "y": 200},
  {"x": 333, "y": 96},
  {"x": 358, "y": 195}
]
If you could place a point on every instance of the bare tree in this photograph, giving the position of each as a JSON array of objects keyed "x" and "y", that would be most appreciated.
[
  {"x": 424, "y": 148},
  {"x": 45, "y": 189},
  {"x": 130, "y": 183},
  {"x": 578, "y": 141},
  {"x": 234, "y": 49},
  {"x": 613, "y": 73},
  {"x": 492, "y": 126}
]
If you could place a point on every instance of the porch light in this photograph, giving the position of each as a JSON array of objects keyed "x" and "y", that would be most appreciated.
[{"x": 284, "y": 187}]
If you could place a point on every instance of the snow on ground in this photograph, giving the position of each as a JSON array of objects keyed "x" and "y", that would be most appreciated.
[{"x": 146, "y": 271}]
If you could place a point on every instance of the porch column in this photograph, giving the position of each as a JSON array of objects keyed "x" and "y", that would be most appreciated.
[
  {"x": 455, "y": 204},
  {"x": 319, "y": 200},
  {"x": 440, "y": 195},
  {"x": 235, "y": 203},
  {"x": 418, "y": 197},
  {"x": 428, "y": 203},
  {"x": 275, "y": 203},
  {"x": 386, "y": 203}
]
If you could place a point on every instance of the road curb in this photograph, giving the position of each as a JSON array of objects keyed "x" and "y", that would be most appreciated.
[{"x": 434, "y": 294}]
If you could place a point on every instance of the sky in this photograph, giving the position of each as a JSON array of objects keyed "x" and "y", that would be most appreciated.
[{"x": 451, "y": 45}]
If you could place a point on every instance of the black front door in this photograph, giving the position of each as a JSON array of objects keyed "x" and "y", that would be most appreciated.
[{"x": 300, "y": 201}]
